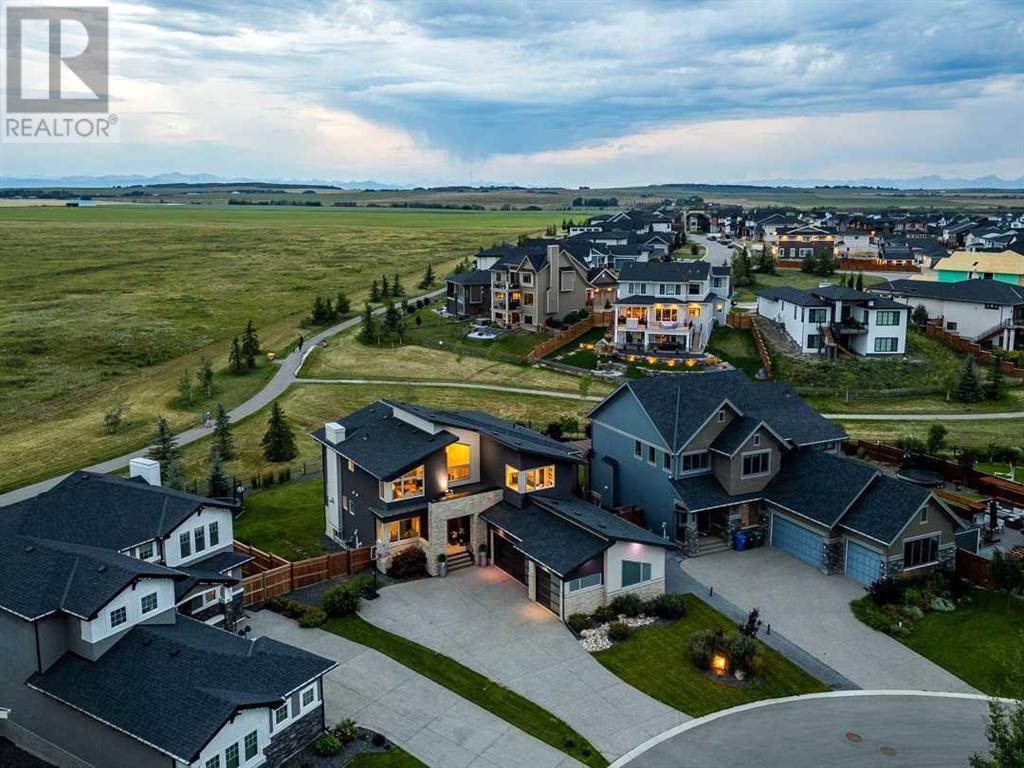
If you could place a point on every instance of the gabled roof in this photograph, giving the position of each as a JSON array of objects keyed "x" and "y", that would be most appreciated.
[
  {"x": 739, "y": 430},
  {"x": 472, "y": 277},
  {"x": 968, "y": 291},
  {"x": 211, "y": 570},
  {"x": 599, "y": 521},
  {"x": 174, "y": 686},
  {"x": 677, "y": 271},
  {"x": 818, "y": 485},
  {"x": 1005, "y": 262},
  {"x": 792, "y": 295},
  {"x": 885, "y": 508},
  {"x": 705, "y": 492}
]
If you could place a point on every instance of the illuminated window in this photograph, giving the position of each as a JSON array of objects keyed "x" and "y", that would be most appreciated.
[
  {"x": 634, "y": 313},
  {"x": 351, "y": 466},
  {"x": 666, "y": 314},
  {"x": 516, "y": 296},
  {"x": 693, "y": 310},
  {"x": 408, "y": 486},
  {"x": 457, "y": 457},
  {"x": 511, "y": 478},
  {"x": 401, "y": 530},
  {"x": 540, "y": 478}
]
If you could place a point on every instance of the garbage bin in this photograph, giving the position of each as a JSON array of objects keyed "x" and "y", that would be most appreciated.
[
  {"x": 739, "y": 542},
  {"x": 758, "y": 535}
]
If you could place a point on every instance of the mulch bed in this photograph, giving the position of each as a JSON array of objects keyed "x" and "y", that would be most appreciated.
[
  {"x": 307, "y": 758},
  {"x": 313, "y": 595}
]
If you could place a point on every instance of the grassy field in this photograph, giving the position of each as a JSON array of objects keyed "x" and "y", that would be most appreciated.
[
  {"x": 287, "y": 520},
  {"x": 656, "y": 661},
  {"x": 110, "y": 304},
  {"x": 791, "y": 277},
  {"x": 471, "y": 685},
  {"x": 308, "y": 406},
  {"x": 961, "y": 433}
]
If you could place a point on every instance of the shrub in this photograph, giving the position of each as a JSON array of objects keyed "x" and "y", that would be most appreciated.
[
  {"x": 886, "y": 592},
  {"x": 578, "y": 622},
  {"x": 290, "y": 608},
  {"x": 704, "y": 643},
  {"x": 628, "y": 605},
  {"x": 312, "y": 617},
  {"x": 618, "y": 630},
  {"x": 605, "y": 614},
  {"x": 942, "y": 604},
  {"x": 327, "y": 745},
  {"x": 363, "y": 585},
  {"x": 378, "y": 740},
  {"x": 913, "y": 612},
  {"x": 670, "y": 607},
  {"x": 868, "y": 611},
  {"x": 341, "y": 601},
  {"x": 740, "y": 649},
  {"x": 346, "y": 730},
  {"x": 408, "y": 564}
]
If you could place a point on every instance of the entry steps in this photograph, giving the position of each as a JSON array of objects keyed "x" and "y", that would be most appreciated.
[{"x": 461, "y": 560}]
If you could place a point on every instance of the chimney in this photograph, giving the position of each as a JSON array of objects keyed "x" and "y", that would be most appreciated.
[
  {"x": 147, "y": 469},
  {"x": 334, "y": 432}
]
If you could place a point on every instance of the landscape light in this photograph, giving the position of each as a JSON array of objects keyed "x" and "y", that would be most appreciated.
[{"x": 719, "y": 664}]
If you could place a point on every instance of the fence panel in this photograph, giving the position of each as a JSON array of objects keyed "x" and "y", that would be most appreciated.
[
  {"x": 265, "y": 583},
  {"x": 972, "y": 567}
]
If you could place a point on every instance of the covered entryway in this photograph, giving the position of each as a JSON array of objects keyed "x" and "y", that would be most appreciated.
[
  {"x": 509, "y": 559},
  {"x": 548, "y": 588},
  {"x": 792, "y": 538},
  {"x": 862, "y": 563}
]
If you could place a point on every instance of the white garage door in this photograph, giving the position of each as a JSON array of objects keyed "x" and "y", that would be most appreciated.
[
  {"x": 796, "y": 540},
  {"x": 862, "y": 564}
]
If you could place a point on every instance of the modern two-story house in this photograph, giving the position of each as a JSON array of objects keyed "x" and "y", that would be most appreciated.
[
  {"x": 101, "y": 663},
  {"x": 401, "y": 476},
  {"x": 709, "y": 454},
  {"x": 669, "y": 305},
  {"x": 798, "y": 243},
  {"x": 831, "y": 319},
  {"x": 530, "y": 284}
]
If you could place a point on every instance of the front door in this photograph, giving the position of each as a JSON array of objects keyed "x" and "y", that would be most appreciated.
[
  {"x": 704, "y": 521},
  {"x": 458, "y": 534}
]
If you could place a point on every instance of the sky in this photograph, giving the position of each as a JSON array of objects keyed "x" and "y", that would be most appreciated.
[{"x": 557, "y": 93}]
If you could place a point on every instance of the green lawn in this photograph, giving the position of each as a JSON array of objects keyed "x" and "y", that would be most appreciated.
[
  {"x": 287, "y": 520},
  {"x": 393, "y": 758},
  {"x": 573, "y": 354},
  {"x": 470, "y": 685},
  {"x": 980, "y": 643},
  {"x": 1003, "y": 469},
  {"x": 794, "y": 278},
  {"x": 735, "y": 347},
  {"x": 961, "y": 433},
  {"x": 656, "y": 661}
]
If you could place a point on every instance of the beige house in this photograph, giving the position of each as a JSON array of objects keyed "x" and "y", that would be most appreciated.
[{"x": 530, "y": 284}]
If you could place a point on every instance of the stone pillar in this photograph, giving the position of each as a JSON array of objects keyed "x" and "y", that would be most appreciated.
[
  {"x": 531, "y": 580},
  {"x": 832, "y": 556}
]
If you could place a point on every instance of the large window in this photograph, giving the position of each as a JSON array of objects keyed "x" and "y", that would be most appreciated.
[
  {"x": 149, "y": 602},
  {"x": 408, "y": 486},
  {"x": 887, "y": 318},
  {"x": 694, "y": 462},
  {"x": 693, "y": 289},
  {"x": 540, "y": 478},
  {"x": 199, "y": 535},
  {"x": 185, "y": 544},
  {"x": 401, "y": 530},
  {"x": 756, "y": 463},
  {"x": 511, "y": 478},
  {"x": 886, "y": 344},
  {"x": 213, "y": 762},
  {"x": 457, "y": 458},
  {"x": 635, "y": 573},
  {"x": 146, "y": 551},
  {"x": 819, "y": 315},
  {"x": 214, "y": 534},
  {"x": 634, "y": 313},
  {"x": 118, "y": 616},
  {"x": 584, "y": 582},
  {"x": 666, "y": 314},
  {"x": 231, "y": 756},
  {"x": 252, "y": 745},
  {"x": 917, "y": 552},
  {"x": 567, "y": 281}
]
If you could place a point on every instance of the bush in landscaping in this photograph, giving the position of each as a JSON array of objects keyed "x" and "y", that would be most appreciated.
[
  {"x": 913, "y": 612},
  {"x": 345, "y": 731},
  {"x": 341, "y": 601},
  {"x": 578, "y": 622},
  {"x": 364, "y": 585},
  {"x": 618, "y": 630},
  {"x": 669, "y": 607},
  {"x": 605, "y": 614},
  {"x": 629, "y": 605},
  {"x": 740, "y": 649},
  {"x": 290, "y": 608},
  {"x": 327, "y": 745},
  {"x": 869, "y": 612},
  {"x": 886, "y": 592},
  {"x": 378, "y": 740},
  {"x": 312, "y": 617},
  {"x": 704, "y": 644},
  {"x": 408, "y": 564}
]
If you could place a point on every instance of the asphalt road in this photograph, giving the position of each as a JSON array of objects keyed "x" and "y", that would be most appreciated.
[{"x": 859, "y": 729}]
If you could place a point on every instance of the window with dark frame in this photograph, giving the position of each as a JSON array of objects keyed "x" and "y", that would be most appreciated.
[
  {"x": 652, "y": 454},
  {"x": 252, "y": 745},
  {"x": 638, "y": 449},
  {"x": 214, "y": 533},
  {"x": 756, "y": 463},
  {"x": 185, "y": 544},
  {"x": 918, "y": 552},
  {"x": 199, "y": 536},
  {"x": 231, "y": 756},
  {"x": 149, "y": 602},
  {"x": 118, "y": 616}
]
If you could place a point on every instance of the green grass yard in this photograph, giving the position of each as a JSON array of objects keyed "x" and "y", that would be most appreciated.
[
  {"x": 656, "y": 661},
  {"x": 735, "y": 347},
  {"x": 790, "y": 277},
  {"x": 287, "y": 520},
  {"x": 393, "y": 758},
  {"x": 961, "y": 433},
  {"x": 470, "y": 685}
]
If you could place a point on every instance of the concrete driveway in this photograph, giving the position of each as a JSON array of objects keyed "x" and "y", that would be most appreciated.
[
  {"x": 483, "y": 619},
  {"x": 429, "y": 721},
  {"x": 813, "y": 611}
]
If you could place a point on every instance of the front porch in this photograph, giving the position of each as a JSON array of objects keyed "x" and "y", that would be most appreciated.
[{"x": 706, "y": 531}]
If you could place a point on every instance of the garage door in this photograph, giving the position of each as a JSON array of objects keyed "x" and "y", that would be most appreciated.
[
  {"x": 796, "y": 540},
  {"x": 862, "y": 564},
  {"x": 510, "y": 560},
  {"x": 547, "y": 590}
]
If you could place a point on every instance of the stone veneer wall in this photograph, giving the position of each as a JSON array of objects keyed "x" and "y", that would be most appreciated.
[
  {"x": 296, "y": 736},
  {"x": 587, "y": 601},
  {"x": 832, "y": 556},
  {"x": 645, "y": 591},
  {"x": 531, "y": 579},
  {"x": 440, "y": 512}
]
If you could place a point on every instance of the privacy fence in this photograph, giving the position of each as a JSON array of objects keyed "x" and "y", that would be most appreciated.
[
  {"x": 573, "y": 332},
  {"x": 268, "y": 575},
  {"x": 964, "y": 346}
]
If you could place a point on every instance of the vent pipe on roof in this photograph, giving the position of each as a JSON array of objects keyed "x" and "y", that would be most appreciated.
[
  {"x": 334, "y": 432},
  {"x": 147, "y": 469}
]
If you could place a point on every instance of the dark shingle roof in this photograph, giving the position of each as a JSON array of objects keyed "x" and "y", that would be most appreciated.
[
  {"x": 885, "y": 508},
  {"x": 818, "y": 485},
  {"x": 970, "y": 291},
  {"x": 600, "y": 521},
  {"x": 736, "y": 434},
  {"x": 174, "y": 686},
  {"x": 792, "y": 295},
  {"x": 545, "y": 537},
  {"x": 472, "y": 277},
  {"x": 705, "y": 492},
  {"x": 211, "y": 570},
  {"x": 666, "y": 271}
]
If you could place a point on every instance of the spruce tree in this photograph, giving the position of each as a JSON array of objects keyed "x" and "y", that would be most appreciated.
[
  {"x": 250, "y": 344},
  {"x": 968, "y": 389},
  {"x": 393, "y": 326},
  {"x": 374, "y": 291},
  {"x": 223, "y": 441},
  {"x": 385, "y": 287},
  {"x": 173, "y": 477},
  {"x": 341, "y": 304},
  {"x": 369, "y": 331},
  {"x": 860, "y": 281},
  {"x": 164, "y": 448},
  {"x": 185, "y": 391},
  {"x": 397, "y": 290},
  {"x": 995, "y": 387},
  {"x": 204, "y": 377},
  {"x": 920, "y": 316},
  {"x": 810, "y": 264},
  {"x": 217, "y": 482},
  {"x": 235, "y": 356},
  {"x": 428, "y": 276},
  {"x": 279, "y": 440}
]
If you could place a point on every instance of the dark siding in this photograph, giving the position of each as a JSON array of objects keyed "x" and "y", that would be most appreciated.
[{"x": 594, "y": 565}]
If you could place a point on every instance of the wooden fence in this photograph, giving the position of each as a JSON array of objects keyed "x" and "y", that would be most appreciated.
[
  {"x": 972, "y": 567},
  {"x": 762, "y": 348},
  {"x": 856, "y": 265},
  {"x": 741, "y": 321},
  {"x": 285, "y": 577},
  {"x": 964, "y": 346},
  {"x": 573, "y": 332}
]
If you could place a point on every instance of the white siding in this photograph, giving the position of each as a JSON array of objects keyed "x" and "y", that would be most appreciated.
[
  {"x": 247, "y": 721},
  {"x": 641, "y": 553},
  {"x": 131, "y": 600},
  {"x": 203, "y": 518},
  {"x": 333, "y": 493}
]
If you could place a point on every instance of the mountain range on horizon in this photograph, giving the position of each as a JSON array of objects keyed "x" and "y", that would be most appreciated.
[{"x": 930, "y": 182}]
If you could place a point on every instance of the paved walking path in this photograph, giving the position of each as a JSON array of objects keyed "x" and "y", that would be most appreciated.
[
  {"x": 437, "y": 726},
  {"x": 457, "y": 385}
]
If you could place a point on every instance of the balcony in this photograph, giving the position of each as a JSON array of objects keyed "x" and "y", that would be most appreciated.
[{"x": 849, "y": 327}]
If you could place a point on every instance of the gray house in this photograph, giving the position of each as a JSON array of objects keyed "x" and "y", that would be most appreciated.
[
  {"x": 400, "y": 477},
  {"x": 709, "y": 454},
  {"x": 100, "y": 664}
]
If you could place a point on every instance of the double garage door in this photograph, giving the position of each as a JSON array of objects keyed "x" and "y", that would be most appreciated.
[{"x": 794, "y": 539}]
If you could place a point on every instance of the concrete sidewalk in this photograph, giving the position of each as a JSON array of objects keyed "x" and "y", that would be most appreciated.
[{"x": 425, "y": 719}]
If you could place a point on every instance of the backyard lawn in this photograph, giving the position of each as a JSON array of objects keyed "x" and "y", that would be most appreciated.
[
  {"x": 656, "y": 661},
  {"x": 794, "y": 278},
  {"x": 287, "y": 520},
  {"x": 735, "y": 347},
  {"x": 470, "y": 685}
]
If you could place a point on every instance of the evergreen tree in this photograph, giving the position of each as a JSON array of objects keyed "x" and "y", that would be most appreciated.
[
  {"x": 968, "y": 389},
  {"x": 279, "y": 441},
  {"x": 919, "y": 316},
  {"x": 369, "y": 331},
  {"x": 995, "y": 387},
  {"x": 217, "y": 482},
  {"x": 204, "y": 377},
  {"x": 374, "y": 291},
  {"x": 826, "y": 265},
  {"x": 164, "y": 448},
  {"x": 860, "y": 281},
  {"x": 766, "y": 262},
  {"x": 392, "y": 329},
  {"x": 185, "y": 391},
  {"x": 741, "y": 268},
  {"x": 428, "y": 277},
  {"x": 396, "y": 287},
  {"x": 173, "y": 477},
  {"x": 223, "y": 441},
  {"x": 462, "y": 266},
  {"x": 235, "y": 356},
  {"x": 385, "y": 287},
  {"x": 341, "y": 304},
  {"x": 250, "y": 344},
  {"x": 936, "y": 438},
  {"x": 809, "y": 264}
]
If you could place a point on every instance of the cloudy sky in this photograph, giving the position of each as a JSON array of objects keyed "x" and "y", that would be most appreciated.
[{"x": 559, "y": 92}]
